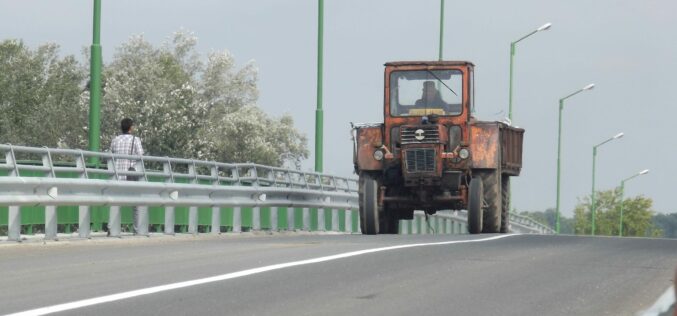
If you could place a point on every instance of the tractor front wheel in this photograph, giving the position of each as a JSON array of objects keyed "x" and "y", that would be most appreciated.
[
  {"x": 475, "y": 197},
  {"x": 369, "y": 212}
]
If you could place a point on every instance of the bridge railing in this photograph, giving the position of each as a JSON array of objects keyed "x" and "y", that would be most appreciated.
[{"x": 43, "y": 184}]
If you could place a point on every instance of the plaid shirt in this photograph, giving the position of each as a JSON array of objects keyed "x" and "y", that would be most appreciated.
[{"x": 122, "y": 144}]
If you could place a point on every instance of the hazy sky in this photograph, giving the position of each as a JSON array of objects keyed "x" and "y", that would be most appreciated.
[{"x": 628, "y": 48}]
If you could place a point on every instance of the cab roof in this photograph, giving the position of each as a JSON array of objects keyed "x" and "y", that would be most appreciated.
[{"x": 430, "y": 63}]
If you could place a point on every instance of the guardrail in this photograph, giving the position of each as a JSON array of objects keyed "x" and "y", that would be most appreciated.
[
  {"x": 456, "y": 222},
  {"x": 188, "y": 193}
]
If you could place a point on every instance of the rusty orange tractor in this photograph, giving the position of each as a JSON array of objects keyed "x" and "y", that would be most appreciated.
[{"x": 431, "y": 154}]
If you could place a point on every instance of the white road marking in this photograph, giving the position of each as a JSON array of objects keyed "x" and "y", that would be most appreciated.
[
  {"x": 227, "y": 276},
  {"x": 662, "y": 304}
]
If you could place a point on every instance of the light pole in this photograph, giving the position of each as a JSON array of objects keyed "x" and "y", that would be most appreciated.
[
  {"x": 319, "y": 114},
  {"x": 592, "y": 198},
  {"x": 95, "y": 83},
  {"x": 544, "y": 27},
  {"x": 620, "y": 225},
  {"x": 559, "y": 146},
  {"x": 441, "y": 29}
]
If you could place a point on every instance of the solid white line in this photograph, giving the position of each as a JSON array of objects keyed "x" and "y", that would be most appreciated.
[
  {"x": 663, "y": 303},
  {"x": 233, "y": 275}
]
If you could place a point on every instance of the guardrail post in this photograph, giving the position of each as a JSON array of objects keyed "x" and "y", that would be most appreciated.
[
  {"x": 50, "y": 222},
  {"x": 114, "y": 221},
  {"x": 403, "y": 227},
  {"x": 335, "y": 220},
  {"x": 192, "y": 220},
  {"x": 290, "y": 219},
  {"x": 321, "y": 223},
  {"x": 142, "y": 220},
  {"x": 414, "y": 225},
  {"x": 448, "y": 226},
  {"x": 216, "y": 220},
  {"x": 169, "y": 220},
  {"x": 14, "y": 229},
  {"x": 237, "y": 219},
  {"x": 256, "y": 218},
  {"x": 273, "y": 218},
  {"x": 84, "y": 221},
  {"x": 306, "y": 219},
  {"x": 348, "y": 219}
]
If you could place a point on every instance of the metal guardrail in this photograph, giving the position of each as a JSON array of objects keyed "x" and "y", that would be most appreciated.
[
  {"x": 174, "y": 182},
  {"x": 456, "y": 222}
]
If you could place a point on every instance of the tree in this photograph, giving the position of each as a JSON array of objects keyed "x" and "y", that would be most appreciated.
[
  {"x": 637, "y": 215},
  {"x": 667, "y": 223},
  {"x": 183, "y": 106},
  {"x": 39, "y": 94}
]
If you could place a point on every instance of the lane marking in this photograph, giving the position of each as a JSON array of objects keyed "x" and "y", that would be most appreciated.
[
  {"x": 662, "y": 304},
  {"x": 227, "y": 276}
]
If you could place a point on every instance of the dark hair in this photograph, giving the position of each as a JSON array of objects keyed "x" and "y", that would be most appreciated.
[{"x": 126, "y": 124}]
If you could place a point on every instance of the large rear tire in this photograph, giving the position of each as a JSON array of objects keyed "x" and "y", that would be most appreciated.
[
  {"x": 475, "y": 197},
  {"x": 491, "y": 182},
  {"x": 369, "y": 213},
  {"x": 505, "y": 209}
]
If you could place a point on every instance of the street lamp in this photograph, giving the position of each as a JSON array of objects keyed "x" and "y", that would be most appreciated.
[
  {"x": 543, "y": 27},
  {"x": 620, "y": 225},
  {"x": 594, "y": 159},
  {"x": 559, "y": 145}
]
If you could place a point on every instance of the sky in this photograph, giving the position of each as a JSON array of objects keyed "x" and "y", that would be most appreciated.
[{"x": 627, "y": 48}]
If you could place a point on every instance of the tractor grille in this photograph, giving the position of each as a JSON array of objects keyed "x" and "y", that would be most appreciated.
[
  {"x": 431, "y": 135},
  {"x": 420, "y": 160}
]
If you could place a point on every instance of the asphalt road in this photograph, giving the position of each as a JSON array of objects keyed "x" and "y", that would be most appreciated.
[{"x": 515, "y": 275}]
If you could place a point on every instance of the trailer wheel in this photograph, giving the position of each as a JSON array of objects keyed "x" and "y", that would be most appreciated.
[
  {"x": 505, "y": 207},
  {"x": 368, "y": 194},
  {"x": 491, "y": 182},
  {"x": 475, "y": 197}
]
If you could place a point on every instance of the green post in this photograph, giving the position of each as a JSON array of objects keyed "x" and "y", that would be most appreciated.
[
  {"x": 441, "y": 29},
  {"x": 512, "y": 57},
  {"x": 592, "y": 197},
  {"x": 319, "y": 116},
  {"x": 95, "y": 83},
  {"x": 620, "y": 224},
  {"x": 559, "y": 155},
  {"x": 559, "y": 141},
  {"x": 544, "y": 27}
]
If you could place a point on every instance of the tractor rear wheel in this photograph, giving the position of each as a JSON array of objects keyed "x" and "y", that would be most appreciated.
[
  {"x": 505, "y": 207},
  {"x": 369, "y": 212},
  {"x": 475, "y": 197},
  {"x": 491, "y": 182}
]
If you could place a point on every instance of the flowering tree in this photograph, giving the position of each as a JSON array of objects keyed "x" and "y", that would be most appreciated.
[{"x": 183, "y": 106}]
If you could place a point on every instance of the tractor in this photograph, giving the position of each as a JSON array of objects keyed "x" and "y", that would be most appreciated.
[{"x": 431, "y": 154}]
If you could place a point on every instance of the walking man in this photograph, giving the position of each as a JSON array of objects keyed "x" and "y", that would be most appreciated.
[{"x": 127, "y": 144}]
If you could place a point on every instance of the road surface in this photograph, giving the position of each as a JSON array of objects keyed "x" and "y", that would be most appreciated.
[{"x": 492, "y": 275}]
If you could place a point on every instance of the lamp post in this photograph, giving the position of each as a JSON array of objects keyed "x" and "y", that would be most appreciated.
[
  {"x": 319, "y": 113},
  {"x": 559, "y": 146},
  {"x": 620, "y": 224},
  {"x": 95, "y": 83},
  {"x": 592, "y": 197},
  {"x": 441, "y": 29},
  {"x": 544, "y": 27}
]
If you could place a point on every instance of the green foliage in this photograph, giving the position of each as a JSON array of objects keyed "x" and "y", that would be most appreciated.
[
  {"x": 637, "y": 215},
  {"x": 667, "y": 223},
  {"x": 39, "y": 93},
  {"x": 183, "y": 106}
]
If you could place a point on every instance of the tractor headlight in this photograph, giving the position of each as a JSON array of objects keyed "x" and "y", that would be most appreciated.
[
  {"x": 378, "y": 155},
  {"x": 464, "y": 153}
]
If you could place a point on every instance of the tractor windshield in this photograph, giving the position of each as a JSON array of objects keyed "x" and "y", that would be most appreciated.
[{"x": 426, "y": 92}]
